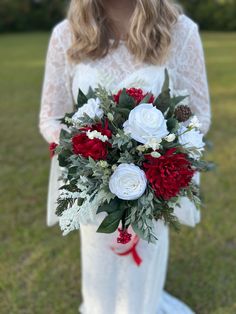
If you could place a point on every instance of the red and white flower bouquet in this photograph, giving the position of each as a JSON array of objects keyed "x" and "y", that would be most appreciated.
[{"x": 132, "y": 155}]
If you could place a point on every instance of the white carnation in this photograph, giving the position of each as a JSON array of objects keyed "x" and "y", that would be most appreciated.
[
  {"x": 128, "y": 182},
  {"x": 170, "y": 138},
  {"x": 191, "y": 139},
  {"x": 91, "y": 108},
  {"x": 145, "y": 121},
  {"x": 153, "y": 143},
  {"x": 194, "y": 123}
]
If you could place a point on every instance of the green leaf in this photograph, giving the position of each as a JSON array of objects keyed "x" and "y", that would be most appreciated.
[
  {"x": 90, "y": 93},
  {"x": 63, "y": 158},
  {"x": 111, "y": 222},
  {"x": 163, "y": 101},
  {"x": 124, "y": 111},
  {"x": 126, "y": 101},
  {"x": 177, "y": 99},
  {"x": 166, "y": 84},
  {"x": 146, "y": 98},
  {"x": 172, "y": 125},
  {"x": 111, "y": 207},
  {"x": 81, "y": 99}
]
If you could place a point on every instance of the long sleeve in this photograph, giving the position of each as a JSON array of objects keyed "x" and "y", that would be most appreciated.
[
  {"x": 191, "y": 75},
  {"x": 56, "y": 97}
]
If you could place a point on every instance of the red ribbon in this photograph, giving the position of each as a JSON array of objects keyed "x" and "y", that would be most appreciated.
[{"x": 132, "y": 250}]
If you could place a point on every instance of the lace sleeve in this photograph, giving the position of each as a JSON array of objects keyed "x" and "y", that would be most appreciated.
[
  {"x": 56, "y": 97},
  {"x": 191, "y": 75}
]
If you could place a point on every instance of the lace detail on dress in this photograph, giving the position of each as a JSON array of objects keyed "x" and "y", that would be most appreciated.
[
  {"x": 56, "y": 97},
  {"x": 188, "y": 69},
  {"x": 185, "y": 63}
]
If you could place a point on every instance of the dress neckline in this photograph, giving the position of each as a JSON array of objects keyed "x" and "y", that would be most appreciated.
[{"x": 120, "y": 40}]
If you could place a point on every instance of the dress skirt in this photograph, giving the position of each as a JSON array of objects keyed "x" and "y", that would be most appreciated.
[{"x": 113, "y": 284}]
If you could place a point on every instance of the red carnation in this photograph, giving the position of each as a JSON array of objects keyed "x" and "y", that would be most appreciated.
[
  {"x": 136, "y": 93},
  {"x": 52, "y": 147},
  {"x": 169, "y": 173},
  {"x": 95, "y": 148}
]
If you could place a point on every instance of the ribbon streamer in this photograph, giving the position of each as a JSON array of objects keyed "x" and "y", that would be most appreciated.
[{"x": 132, "y": 250}]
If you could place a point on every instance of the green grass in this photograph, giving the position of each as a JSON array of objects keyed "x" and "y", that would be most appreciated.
[{"x": 40, "y": 269}]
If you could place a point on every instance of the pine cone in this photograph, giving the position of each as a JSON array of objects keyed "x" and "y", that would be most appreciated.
[{"x": 183, "y": 113}]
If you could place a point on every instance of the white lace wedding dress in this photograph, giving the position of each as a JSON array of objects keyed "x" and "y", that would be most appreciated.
[{"x": 113, "y": 284}]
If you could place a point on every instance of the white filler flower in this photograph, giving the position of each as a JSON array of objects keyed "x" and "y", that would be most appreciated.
[
  {"x": 145, "y": 121},
  {"x": 95, "y": 134},
  {"x": 191, "y": 139},
  {"x": 91, "y": 108},
  {"x": 128, "y": 182}
]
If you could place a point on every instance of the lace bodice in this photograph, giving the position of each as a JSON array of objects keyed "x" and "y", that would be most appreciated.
[{"x": 119, "y": 69}]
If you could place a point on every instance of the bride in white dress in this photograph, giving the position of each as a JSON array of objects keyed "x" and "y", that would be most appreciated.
[{"x": 160, "y": 37}]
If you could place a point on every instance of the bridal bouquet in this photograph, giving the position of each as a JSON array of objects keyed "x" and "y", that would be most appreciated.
[{"x": 132, "y": 155}]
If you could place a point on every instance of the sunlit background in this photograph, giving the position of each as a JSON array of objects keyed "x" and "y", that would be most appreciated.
[{"x": 40, "y": 269}]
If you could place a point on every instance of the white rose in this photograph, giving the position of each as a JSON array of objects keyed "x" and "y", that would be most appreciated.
[
  {"x": 91, "y": 108},
  {"x": 192, "y": 138},
  {"x": 128, "y": 182},
  {"x": 145, "y": 121}
]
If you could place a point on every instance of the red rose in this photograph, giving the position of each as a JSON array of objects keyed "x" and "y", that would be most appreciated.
[
  {"x": 136, "y": 93},
  {"x": 52, "y": 147},
  {"x": 169, "y": 173},
  {"x": 95, "y": 148}
]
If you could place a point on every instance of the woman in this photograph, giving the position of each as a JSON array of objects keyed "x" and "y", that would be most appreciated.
[{"x": 122, "y": 44}]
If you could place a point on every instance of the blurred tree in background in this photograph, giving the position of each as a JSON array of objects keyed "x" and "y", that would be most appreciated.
[
  {"x": 212, "y": 14},
  {"x": 21, "y": 15}
]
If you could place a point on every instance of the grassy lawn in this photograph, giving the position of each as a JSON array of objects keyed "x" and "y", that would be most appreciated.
[{"x": 39, "y": 269}]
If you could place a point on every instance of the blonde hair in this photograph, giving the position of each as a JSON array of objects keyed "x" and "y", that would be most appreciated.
[{"x": 149, "y": 36}]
